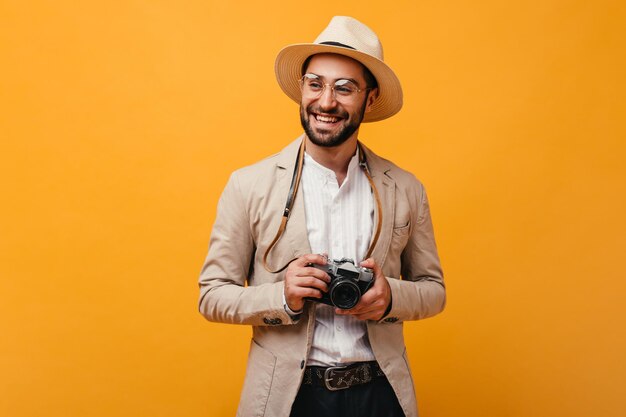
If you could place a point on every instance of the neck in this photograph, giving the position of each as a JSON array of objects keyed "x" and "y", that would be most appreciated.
[{"x": 336, "y": 158}]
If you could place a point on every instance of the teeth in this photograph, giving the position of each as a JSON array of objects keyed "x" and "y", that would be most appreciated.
[{"x": 325, "y": 119}]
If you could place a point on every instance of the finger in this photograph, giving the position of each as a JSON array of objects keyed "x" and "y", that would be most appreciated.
[
  {"x": 353, "y": 311},
  {"x": 310, "y": 271},
  {"x": 305, "y": 270},
  {"x": 363, "y": 308},
  {"x": 370, "y": 312},
  {"x": 306, "y": 292},
  {"x": 310, "y": 282},
  {"x": 311, "y": 258},
  {"x": 370, "y": 297},
  {"x": 296, "y": 301},
  {"x": 369, "y": 316},
  {"x": 362, "y": 315},
  {"x": 371, "y": 264},
  {"x": 295, "y": 282}
]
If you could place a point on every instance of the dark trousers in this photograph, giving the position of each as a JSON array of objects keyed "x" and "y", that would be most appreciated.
[{"x": 374, "y": 399}]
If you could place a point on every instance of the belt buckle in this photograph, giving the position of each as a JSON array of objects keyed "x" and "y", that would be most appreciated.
[{"x": 328, "y": 377}]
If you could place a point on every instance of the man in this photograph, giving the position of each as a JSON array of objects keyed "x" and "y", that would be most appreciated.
[{"x": 325, "y": 197}]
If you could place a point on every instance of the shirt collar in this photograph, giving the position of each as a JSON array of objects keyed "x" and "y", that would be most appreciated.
[{"x": 323, "y": 172}]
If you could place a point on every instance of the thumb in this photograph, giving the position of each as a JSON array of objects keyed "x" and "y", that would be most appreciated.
[{"x": 369, "y": 263}]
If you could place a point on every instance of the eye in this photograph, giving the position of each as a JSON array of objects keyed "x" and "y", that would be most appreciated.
[
  {"x": 342, "y": 89},
  {"x": 312, "y": 82},
  {"x": 345, "y": 87},
  {"x": 314, "y": 85}
]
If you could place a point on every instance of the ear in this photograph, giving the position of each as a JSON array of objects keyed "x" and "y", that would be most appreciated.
[{"x": 372, "y": 96}]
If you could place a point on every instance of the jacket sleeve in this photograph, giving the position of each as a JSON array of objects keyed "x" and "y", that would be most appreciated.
[
  {"x": 224, "y": 296},
  {"x": 421, "y": 291}
]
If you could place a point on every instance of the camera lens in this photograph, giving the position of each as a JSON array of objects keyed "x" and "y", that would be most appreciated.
[{"x": 345, "y": 294}]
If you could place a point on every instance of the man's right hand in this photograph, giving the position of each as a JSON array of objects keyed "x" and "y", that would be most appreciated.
[{"x": 303, "y": 281}]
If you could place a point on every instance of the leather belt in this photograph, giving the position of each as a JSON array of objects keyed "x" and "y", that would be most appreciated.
[{"x": 336, "y": 378}]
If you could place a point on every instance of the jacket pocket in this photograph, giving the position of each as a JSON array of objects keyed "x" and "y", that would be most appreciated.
[
  {"x": 402, "y": 230},
  {"x": 400, "y": 238},
  {"x": 258, "y": 381}
]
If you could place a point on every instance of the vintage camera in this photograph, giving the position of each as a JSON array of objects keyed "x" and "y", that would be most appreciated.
[{"x": 347, "y": 283}]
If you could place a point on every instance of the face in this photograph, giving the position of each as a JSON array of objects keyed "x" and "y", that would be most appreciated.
[{"x": 326, "y": 121}]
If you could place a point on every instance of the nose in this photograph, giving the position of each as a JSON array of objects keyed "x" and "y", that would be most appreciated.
[{"x": 327, "y": 99}]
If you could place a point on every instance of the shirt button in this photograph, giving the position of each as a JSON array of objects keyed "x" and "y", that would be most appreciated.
[{"x": 339, "y": 328}]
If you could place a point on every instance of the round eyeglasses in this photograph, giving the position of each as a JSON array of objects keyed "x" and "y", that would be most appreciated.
[{"x": 343, "y": 90}]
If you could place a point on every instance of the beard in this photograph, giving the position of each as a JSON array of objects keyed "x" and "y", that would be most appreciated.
[{"x": 324, "y": 138}]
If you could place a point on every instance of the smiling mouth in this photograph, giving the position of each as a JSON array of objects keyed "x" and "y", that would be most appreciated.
[{"x": 326, "y": 118}]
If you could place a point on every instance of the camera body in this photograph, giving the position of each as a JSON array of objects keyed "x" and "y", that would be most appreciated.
[{"x": 347, "y": 283}]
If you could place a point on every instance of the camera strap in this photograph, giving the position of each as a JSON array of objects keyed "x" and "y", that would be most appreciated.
[{"x": 291, "y": 196}]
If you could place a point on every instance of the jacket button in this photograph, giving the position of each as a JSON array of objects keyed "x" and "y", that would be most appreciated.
[
  {"x": 276, "y": 322},
  {"x": 266, "y": 320},
  {"x": 391, "y": 320},
  {"x": 302, "y": 364}
]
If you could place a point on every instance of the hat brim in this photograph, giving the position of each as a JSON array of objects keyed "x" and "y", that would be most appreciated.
[{"x": 288, "y": 68}]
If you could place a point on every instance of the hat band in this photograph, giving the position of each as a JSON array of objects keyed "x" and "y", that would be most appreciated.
[{"x": 337, "y": 44}]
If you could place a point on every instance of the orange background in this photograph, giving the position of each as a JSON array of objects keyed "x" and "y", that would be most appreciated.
[{"x": 120, "y": 122}]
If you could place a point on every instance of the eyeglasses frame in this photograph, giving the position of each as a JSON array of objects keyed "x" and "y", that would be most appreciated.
[{"x": 332, "y": 86}]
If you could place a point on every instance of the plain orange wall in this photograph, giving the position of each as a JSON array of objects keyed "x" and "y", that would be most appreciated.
[{"x": 120, "y": 122}]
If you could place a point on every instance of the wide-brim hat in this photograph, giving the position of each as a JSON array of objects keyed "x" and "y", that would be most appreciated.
[{"x": 349, "y": 37}]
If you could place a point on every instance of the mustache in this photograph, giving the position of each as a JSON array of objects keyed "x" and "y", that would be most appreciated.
[{"x": 330, "y": 112}]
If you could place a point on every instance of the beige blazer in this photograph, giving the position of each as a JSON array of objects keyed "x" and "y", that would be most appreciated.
[{"x": 235, "y": 288}]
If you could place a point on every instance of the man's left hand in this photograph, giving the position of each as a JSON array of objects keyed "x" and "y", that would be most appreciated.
[{"x": 374, "y": 302}]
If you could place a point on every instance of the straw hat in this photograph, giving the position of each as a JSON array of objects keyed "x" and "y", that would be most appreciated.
[{"x": 345, "y": 36}]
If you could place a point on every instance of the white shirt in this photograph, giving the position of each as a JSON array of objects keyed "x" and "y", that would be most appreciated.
[{"x": 339, "y": 222}]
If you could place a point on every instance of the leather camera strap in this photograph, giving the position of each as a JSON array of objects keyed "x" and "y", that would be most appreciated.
[
  {"x": 291, "y": 196},
  {"x": 379, "y": 206}
]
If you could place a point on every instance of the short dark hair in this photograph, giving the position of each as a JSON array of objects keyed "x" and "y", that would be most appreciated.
[{"x": 370, "y": 80}]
